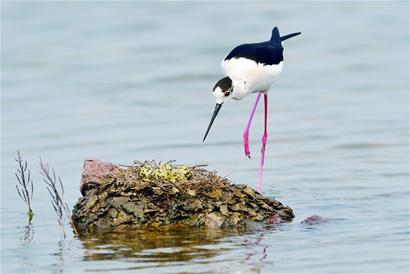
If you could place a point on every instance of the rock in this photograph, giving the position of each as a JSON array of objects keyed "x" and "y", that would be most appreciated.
[
  {"x": 274, "y": 219},
  {"x": 315, "y": 220},
  {"x": 149, "y": 195},
  {"x": 93, "y": 173}
]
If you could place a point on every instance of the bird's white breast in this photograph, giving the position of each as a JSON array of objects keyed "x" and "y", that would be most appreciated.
[{"x": 258, "y": 77}]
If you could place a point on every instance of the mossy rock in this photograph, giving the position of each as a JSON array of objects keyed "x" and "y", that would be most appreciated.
[{"x": 151, "y": 196}]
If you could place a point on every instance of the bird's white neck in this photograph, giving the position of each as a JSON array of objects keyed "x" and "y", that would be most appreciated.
[{"x": 239, "y": 89}]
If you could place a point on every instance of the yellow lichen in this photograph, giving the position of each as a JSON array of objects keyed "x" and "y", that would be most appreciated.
[{"x": 164, "y": 171}]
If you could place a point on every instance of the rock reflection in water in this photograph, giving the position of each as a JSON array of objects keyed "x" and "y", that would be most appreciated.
[{"x": 181, "y": 244}]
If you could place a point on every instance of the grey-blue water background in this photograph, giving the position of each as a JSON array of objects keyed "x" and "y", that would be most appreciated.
[{"x": 132, "y": 80}]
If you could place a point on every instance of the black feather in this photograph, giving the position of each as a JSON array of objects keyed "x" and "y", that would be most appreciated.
[{"x": 267, "y": 53}]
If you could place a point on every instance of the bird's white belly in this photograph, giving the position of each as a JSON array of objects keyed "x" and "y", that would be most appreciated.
[{"x": 258, "y": 77}]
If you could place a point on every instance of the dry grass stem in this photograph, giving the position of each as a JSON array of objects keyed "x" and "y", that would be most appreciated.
[
  {"x": 24, "y": 184},
  {"x": 56, "y": 190}
]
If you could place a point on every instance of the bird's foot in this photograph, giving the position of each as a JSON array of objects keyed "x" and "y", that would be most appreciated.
[{"x": 246, "y": 144}]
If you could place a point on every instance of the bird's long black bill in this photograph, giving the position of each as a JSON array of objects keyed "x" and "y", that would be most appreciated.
[
  {"x": 287, "y": 36},
  {"x": 217, "y": 108}
]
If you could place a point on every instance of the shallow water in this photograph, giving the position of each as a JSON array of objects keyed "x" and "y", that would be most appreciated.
[{"x": 125, "y": 81}]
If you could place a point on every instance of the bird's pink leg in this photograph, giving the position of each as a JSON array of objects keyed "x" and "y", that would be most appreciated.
[
  {"x": 246, "y": 131},
  {"x": 264, "y": 139}
]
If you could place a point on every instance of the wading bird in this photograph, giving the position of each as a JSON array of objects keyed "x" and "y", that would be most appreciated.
[{"x": 251, "y": 68}]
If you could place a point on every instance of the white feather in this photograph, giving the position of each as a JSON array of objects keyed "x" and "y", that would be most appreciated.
[
  {"x": 256, "y": 77},
  {"x": 219, "y": 95}
]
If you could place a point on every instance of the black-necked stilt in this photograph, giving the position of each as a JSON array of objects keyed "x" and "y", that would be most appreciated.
[{"x": 251, "y": 68}]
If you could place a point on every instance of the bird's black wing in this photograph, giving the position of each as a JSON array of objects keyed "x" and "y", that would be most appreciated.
[{"x": 265, "y": 53}]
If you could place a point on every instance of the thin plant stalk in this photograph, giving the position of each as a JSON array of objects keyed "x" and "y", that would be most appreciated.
[
  {"x": 56, "y": 190},
  {"x": 24, "y": 186}
]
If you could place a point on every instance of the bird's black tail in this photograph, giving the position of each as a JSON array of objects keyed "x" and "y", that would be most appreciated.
[
  {"x": 275, "y": 38},
  {"x": 285, "y": 37}
]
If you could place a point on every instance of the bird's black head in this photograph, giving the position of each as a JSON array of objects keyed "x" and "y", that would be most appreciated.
[{"x": 222, "y": 90}]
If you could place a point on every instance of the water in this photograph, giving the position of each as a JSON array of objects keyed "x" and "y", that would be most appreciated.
[{"x": 120, "y": 81}]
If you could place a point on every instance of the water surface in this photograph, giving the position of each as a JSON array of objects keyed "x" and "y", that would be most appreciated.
[{"x": 124, "y": 81}]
